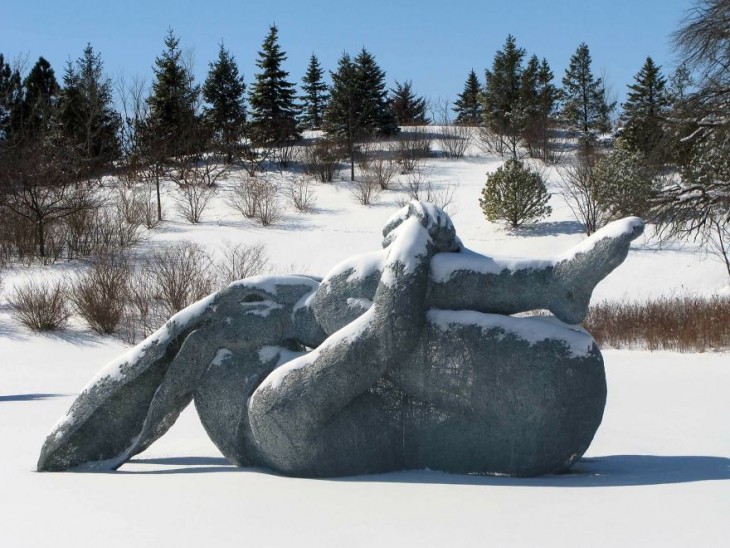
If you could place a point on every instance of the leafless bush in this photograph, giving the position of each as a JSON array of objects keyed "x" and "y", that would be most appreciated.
[
  {"x": 285, "y": 153},
  {"x": 684, "y": 324},
  {"x": 322, "y": 159},
  {"x": 418, "y": 185},
  {"x": 241, "y": 261},
  {"x": 256, "y": 197},
  {"x": 181, "y": 274},
  {"x": 412, "y": 145},
  {"x": 192, "y": 199},
  {"x": 379, "y": 166},
  {"x": 489, "y": 142},
  {"x": 142, "y": 315},
  {"x": 579, "y": 186},
  {"x": 301, "y": 194},
  {"x": 100, "y": 294},
  {"x": 365, "y": 188},
  {"x": 253, "y": 159},
  {"x": 454, "y": 140},
  {"x": 40, "y": 305}
]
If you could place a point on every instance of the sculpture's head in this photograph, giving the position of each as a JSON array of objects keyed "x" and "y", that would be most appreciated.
[{"x": 270, "y": 310}]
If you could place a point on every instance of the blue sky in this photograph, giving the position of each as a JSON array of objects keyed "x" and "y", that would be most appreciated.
[{"x": 434, "y": 44}]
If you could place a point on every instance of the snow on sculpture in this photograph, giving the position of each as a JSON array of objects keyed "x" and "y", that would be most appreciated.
[{"x": 406, "y": 358}]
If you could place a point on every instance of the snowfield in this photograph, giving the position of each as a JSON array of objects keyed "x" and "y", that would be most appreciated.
[{"x": 657, "y": 473}]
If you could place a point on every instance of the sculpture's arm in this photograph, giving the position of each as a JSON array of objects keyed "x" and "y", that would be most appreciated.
[
  {"x": 466, "y": 280},
  {"x": 563, "y": 285},
  {"x": 291, "y": 410}
]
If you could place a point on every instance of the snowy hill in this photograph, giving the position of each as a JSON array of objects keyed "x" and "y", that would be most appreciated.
[{"x": 657, "y": 473}]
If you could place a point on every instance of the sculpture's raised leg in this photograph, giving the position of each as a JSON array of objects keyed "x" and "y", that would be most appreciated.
[{"x": 136, "y": 398}]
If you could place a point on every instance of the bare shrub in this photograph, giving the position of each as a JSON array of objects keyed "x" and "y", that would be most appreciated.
[
  {"x": 142, "y": 315},
  {"x": 241, "y": 261},
  {"x": 40, "y": 305},
  {"x": 454, "y": 140},
  {"x": 419, "y": 186},
  {"x": 99, "y": 295},
  {"x": 252, "y": 159},
  {"x": 301, "y": 194},
  {"x": 181, "y": 274},
  {"x": 684, "y": 324},
  {"x": 579, "y": 186},
  {"x": 322, "y": 159},
  {"x": 365, "y": 189},
  {"x": 378, "y": 165},
  {"x": 412, "y": 145},
  {"x": 257, "y": 198},
  {"x": 191, "y": 200}
]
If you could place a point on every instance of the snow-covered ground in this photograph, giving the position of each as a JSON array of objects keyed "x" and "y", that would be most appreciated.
[{"x": 657, "y": 473}]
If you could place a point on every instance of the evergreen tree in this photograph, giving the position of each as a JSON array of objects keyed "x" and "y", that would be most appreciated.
[
  {"x": 314, "y": 100},
  {"x": 272, "y": 97},
  {"x": 376, "y": 115},
  {"x": 87, "y": 114},
  {"x": 584, "y": 99},
  {"x": 342, "y": 117},
  {"x": 468, "y": 106},
  {"x": 40, "y": 99},
  {"x": 408, "y": 108},
  {"x": 515, "y": 194},
  {"x": 510, "y": 94},
  {"x": 546, "y": 96},
  {"x": 173, "y": 125},
  {"x": 358, "y": 105},
  {"x": 224, "y": 92},
  {"x": 11, "y": 99},
  {"x": 647, "y": 100}
]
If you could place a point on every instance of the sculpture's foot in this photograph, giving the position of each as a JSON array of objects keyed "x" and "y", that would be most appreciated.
[{"x": 579, "y": 270}]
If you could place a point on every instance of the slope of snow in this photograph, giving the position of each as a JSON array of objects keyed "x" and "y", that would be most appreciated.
[{"x": 656, "y": 474}]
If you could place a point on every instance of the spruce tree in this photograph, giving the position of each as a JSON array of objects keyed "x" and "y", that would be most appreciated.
[
  {"x": 225, "y": 113},
  {"x": 11, "y": 100},
  {"x": 510, "y": 94},
  {"x": 272, "y": 97},
  {"x": 173, "y": 124},
  {"x": 646, "y": 101},
  {"x": 376, "y": 115},
  {"x": 408, "y": 108},
  {"x": 87, "y": 114},
  {"x": 40, "y": 99},
  {"x": 584, "y": 99},
  {"x": 315, "y": 97},
  {"x": 342, "y": 117},
  {"x": 468, "y": 106}
]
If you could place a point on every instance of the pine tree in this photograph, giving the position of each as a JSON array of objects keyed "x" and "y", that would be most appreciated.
[
  {"x": 468, "y": 106},
  {"x": 647, "y": 100},
  {"x": 40, "y": 99},
  {"x": 173, "y": 124},
  {"x": 376, "y": 115},
  {"x": 585, "y": 105},
  {"x": 272, "y": 97},
  {"x": 315, "y": 97},
  {"x": 408, "y": 108},
  {"x": 87, "y": 113},
  {"x": 11, "y": 100},
  {"x": 342, "y": 117},
  {"x": 224, "y": 92}
]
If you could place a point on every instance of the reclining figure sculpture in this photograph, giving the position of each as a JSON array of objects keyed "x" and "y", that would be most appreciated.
[{"x": 405, "y": 358}]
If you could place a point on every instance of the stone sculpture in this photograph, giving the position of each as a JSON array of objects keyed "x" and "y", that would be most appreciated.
[{"x": 405, "y": 358}]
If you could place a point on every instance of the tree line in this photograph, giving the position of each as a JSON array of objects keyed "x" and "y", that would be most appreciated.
[{"x": 57, "y": 137}]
